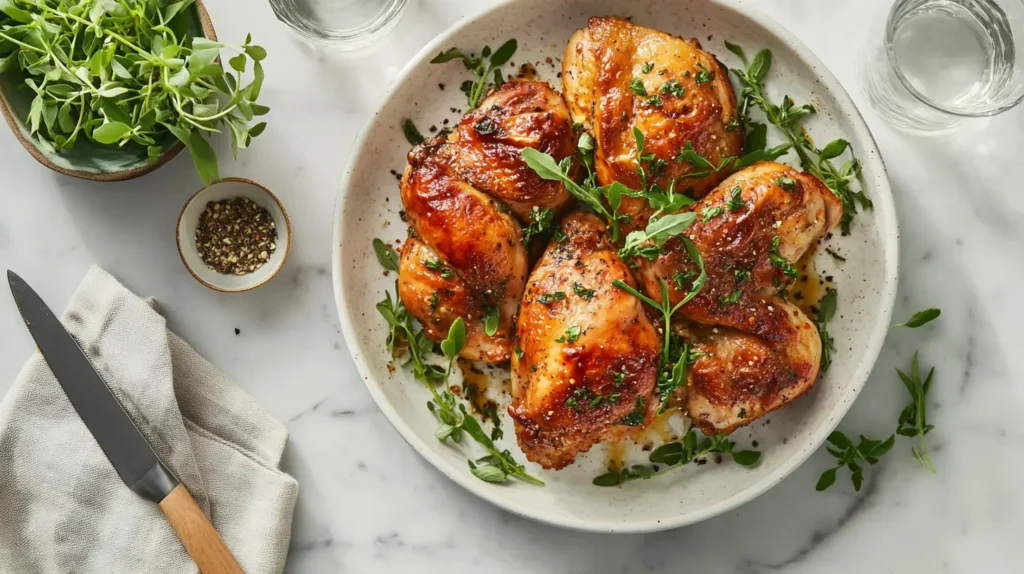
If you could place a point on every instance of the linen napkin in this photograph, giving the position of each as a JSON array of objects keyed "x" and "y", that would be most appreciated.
[{"x": 63, "y": 508}]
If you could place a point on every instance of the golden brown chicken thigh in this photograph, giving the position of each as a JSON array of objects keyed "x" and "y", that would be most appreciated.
[
  {"x": 465, "y": 257},
  {"x": 761, "y": 352},
  {"x": 618, "y": 76},
  {"x": 586, "y": 361},
  {"x": 485, "y": 148}
]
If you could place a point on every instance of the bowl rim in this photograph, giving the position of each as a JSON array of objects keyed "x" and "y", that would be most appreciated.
[
  {"x": 889, "y": 236},
  {"x": 288, "y": 235},
  {"x": 30, "y": 146}
]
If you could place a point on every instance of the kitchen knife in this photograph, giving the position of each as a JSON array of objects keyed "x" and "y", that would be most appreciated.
[{"x": 129, "y": 452}]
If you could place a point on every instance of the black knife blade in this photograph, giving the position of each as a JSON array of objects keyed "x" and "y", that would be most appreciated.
[{"x": 106, "y": 419}]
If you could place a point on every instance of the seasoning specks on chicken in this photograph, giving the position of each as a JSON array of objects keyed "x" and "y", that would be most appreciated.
[
  {"x": 587, "y": 362},
  {"x": 685, "y": 96},
  {"x": 763, "y": 352}
]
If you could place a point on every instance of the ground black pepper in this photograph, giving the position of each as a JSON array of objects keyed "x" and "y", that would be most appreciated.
[{"x": 235, "y": 236}]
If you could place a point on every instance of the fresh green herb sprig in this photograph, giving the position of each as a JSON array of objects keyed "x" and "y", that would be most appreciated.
[
  {"x": 677, "y": 454},
  {"x": 648, "y": 241},
  {"x": 649, "y": 166},
  {"x": 826, "y": 311},
  {"x": 913, "y": 421},
  {"x": 486, "y": 68},
  {"x": 852, "y": 456},
  {"x": 497, "y": 466},
  {"x": 920, "y": 318},
  {"x": 672, "y": 370},
  {"x": 605, "y": 201},
  {"x": 788, "y": 117},
  {"x": 127, "y": 73}
]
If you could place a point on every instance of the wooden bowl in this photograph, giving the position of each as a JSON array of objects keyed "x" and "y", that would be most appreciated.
[{"x": 87, "y": 159}]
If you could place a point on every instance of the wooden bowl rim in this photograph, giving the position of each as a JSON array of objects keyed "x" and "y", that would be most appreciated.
[{"x": 106, "y": 176}]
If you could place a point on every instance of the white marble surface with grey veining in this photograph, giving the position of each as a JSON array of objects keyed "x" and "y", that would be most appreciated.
[{"x": 368, "y": 503}]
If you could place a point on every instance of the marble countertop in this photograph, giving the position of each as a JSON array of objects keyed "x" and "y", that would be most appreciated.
[{"x": 368, "y": 502}]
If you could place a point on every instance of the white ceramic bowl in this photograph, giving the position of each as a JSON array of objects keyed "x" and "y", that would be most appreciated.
[
  {"x": 188, "y": 220},
  {"x": 369, "y": 202}
]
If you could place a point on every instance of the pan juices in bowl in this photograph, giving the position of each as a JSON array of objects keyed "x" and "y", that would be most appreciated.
[{"x": 866, "y": 281}]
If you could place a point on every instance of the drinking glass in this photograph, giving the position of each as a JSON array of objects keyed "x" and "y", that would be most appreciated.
[
  {"x": 939, "y": 62},
  {"x": 342, "y": 24}
]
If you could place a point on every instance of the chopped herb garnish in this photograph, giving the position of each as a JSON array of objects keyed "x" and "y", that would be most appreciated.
[
  {"x": 673, "y": 87},
  {"x": 638, "y": 416},
  {"x": 540, "y": 221},
  {"x": 731, "y": 298},
  {"x": 654, "y": 100},
  {"x": 711, "y": 212},
  {"x": 491, "y": 321},
  {"x": 742, "y": 276},
  {"x": 786, "y": 183},
  {"x": 570, "y": 336},
  {"x": 549, "y": 298},
  {"x": 704, "y": 75},
  {"x": 636, "y": 85},
  {"x": 648, "y": 66},
  {"x": 781, "y": 262},
  {"x": 437, "y": 266},
  {"x": 434, "y": 300},
  {"x": 519, "y": 352},
  {"x": 583, "y": 292},
  {"x": 412, "y": 135}
]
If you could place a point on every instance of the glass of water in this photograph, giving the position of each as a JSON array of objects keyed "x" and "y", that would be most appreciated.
[
  {"x": 939, "y": 62},
  {"x": 342, "y": 24}
]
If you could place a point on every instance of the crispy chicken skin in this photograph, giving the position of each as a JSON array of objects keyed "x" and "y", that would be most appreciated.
[
  {"x": 437, "y": 301},
  {"x": 485, "y": 147},
  {"x": 462, "y": 194},
  {"x": 689, "y": 99},
  {"x": 575, "y": 347},
  {"x": 766, "y": 352},
  {"x": 478, "y": 246},
  {"x": 742, "y": 377}
]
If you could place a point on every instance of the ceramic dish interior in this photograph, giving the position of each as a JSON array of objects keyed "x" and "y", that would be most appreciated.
[
  {"x": 86, "y": 159},
  {"x": 229, "y": 188},
  {"x": 369, "y": 203}
]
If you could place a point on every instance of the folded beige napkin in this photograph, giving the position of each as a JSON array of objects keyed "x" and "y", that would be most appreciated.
[{"x": 63, "y": 508}]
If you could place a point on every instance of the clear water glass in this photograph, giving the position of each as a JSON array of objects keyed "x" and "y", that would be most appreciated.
[
  {"x": 342, "y": 24},
  {"x": 939, "y": 62}
]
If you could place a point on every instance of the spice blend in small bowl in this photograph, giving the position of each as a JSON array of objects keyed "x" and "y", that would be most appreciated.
[{"x": 235, "y": 236}]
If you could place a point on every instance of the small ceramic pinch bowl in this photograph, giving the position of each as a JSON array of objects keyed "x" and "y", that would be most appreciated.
[{"x": 220, "y": 190}]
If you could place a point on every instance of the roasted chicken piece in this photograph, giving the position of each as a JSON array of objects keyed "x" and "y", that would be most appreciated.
[
  {"x": 586, "y": 360},
  {"x": 618, "y": 76},
  {"x": 465, "y": 256},
  {"x": 750, "y": 230},
  {"x": 740, "y": 377},
  {"x": 485, "y": 148},
  {"x": 437, "y": 296}
]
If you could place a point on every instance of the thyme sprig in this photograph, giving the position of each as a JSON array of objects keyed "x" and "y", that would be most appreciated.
[
  {"x": 486, "y": 68},
  {"x": 676, "y": 454}
]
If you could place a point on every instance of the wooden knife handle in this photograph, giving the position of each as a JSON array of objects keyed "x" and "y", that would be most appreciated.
[{"x": 198, "y": 536}]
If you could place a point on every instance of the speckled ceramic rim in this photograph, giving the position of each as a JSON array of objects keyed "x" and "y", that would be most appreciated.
[
  {"x": 287, "y": 225},
  {"x": 104, "y": 176},
  {"x": 882, "y": 194}
]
